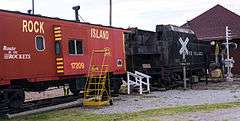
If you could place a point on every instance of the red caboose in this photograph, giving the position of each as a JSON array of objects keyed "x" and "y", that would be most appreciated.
[{"x": 39, "y": 52}]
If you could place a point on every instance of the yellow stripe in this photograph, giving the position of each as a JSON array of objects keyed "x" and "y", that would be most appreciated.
[
  {"x": 57, "y": 28},
  {"x": 58, "y": 39},
  {"x": 57, "y": 32},
  {"x": 57, "y": 35},
  {"x": 59, "y": 63},
  {"x": 60, "y": 71},
  {"x": 59, "y": 59},
  {"x": 59, "y": 67},
  {"x": 99, "y": 51}
]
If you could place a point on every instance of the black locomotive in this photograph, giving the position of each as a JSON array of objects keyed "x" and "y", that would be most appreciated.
[{"x": 157, "y": 54}]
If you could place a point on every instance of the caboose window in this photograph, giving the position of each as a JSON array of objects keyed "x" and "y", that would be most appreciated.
[
  {"x": 71, "y": 46},
  {"x": 75, "y": 47},
  {"x": 57, "y": 47},
  {"x": 40, "y": 43}
]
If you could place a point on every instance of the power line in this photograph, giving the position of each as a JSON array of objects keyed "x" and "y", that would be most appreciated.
[{"x": 81, "y": 18}]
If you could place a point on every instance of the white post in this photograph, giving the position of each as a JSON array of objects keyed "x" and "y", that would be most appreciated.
[
  {"x": 140, "y": 81},
  {"x": 184, "y": 71},
  {"x": 184, "y": 77},
  {"x": 128, "y": 82},
  {"x": 148, "y": 85}
]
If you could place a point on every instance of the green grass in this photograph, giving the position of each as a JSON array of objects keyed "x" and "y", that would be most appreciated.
[{"x": 81, "y": 115}]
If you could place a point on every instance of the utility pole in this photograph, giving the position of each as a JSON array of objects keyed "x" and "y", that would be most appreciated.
[
  {"x": 32, "y": 6},
  {"x": 110, "y": 13}
]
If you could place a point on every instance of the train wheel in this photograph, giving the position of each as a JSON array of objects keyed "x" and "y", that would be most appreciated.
[
  {"x": 16, "y": 98},
  {"x": 75, "y": 91},
  {"x": 76, "y": 85},
  {"x": 110, "y": 102}
]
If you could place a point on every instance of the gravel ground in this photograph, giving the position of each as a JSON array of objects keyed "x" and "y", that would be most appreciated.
[
  {"x": 171, "y": 98},
  {"x": 218, "y": 115},
  {"x": 56, "y": 92},
  {"x": 220, "y": 92}
]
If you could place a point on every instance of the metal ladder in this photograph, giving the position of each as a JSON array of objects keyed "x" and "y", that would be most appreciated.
[{"x": 97, "y": 88}]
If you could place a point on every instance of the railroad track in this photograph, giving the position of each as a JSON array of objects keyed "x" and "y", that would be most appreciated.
[{"x": 33, "y": 105}]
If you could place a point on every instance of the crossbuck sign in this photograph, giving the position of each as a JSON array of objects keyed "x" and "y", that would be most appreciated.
[{"x": 183, "y": 51}]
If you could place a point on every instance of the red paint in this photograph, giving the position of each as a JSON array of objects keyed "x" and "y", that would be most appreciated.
[{"x": 41, "y": 66}]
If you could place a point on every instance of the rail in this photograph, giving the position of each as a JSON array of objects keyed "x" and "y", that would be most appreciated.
[
  {"x": 32, "y": 106},
  {"x": 138, "y": 80}
]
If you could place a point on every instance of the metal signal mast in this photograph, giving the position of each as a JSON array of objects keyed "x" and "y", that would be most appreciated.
[{"x": 228, "y": 61}]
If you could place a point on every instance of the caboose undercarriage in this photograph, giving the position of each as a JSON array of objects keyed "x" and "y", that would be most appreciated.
[{"x": 13, "y": 96}]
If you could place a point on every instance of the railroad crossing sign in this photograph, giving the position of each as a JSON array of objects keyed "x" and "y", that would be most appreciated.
[{"x": 184, "y": 49}]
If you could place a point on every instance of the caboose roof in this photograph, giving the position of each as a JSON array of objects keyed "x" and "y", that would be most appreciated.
[
  {"x": 210, "y": 25},
  {"x": 74, "y": 21}
]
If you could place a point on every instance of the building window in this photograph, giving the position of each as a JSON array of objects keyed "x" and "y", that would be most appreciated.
[
  {"x": 40, "y": 43},
  {"x": 75, "y": 47}
]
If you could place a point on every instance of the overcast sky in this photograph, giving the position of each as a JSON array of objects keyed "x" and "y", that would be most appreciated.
[{"x": 144, "y": 14}]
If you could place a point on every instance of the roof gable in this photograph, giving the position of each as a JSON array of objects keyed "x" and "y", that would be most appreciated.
[{"x": 211, "y": 24}]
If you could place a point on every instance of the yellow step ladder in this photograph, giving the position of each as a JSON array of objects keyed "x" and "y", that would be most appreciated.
[{"x": 97, "y": 88}]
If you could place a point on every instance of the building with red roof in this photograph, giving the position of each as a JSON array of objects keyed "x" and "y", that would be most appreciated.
[{"x": 210, "y": 26}]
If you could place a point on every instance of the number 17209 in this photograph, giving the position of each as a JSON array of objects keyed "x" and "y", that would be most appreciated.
[{"x": 78, "y": 65}]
